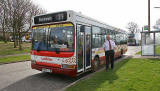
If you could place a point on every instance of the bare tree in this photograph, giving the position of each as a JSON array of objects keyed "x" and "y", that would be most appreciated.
[
  {"x": 157, "y": 25},
  {"x": 132, "y": 27},
  {"x": 19, "y": 17},
  {"x": 35, "y": 10},
  {"x": 3, "y": 19}
]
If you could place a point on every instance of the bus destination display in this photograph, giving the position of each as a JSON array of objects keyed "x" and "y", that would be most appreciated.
[{"x": 56, "y": 17}]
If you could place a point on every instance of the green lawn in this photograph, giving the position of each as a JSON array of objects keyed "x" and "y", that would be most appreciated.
[
  {"x": 157, "y": 49},
  {"x": 7, "y": 48},
  {"x": 14, "y": 58},
  {"x": 138, "y": 53},
  {"x": 128, "y": 75}
]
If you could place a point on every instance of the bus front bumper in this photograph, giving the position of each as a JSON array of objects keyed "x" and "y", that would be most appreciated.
[{"x": 68, "y": 72}]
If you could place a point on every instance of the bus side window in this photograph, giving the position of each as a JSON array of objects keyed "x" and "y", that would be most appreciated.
[
  {"x": 117, "y": 38},
  {"x": 121, "y": 39},
  {"x": 125, "y": 39},
  {"x": 103, "y": 33},
  {"x": 112, "y": 35},
  {"x": 96, "y": 37}
]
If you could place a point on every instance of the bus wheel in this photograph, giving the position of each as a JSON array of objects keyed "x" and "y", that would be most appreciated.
[
  {"x": 121, "y": 53},
  {"x": 96, "y": 64}
]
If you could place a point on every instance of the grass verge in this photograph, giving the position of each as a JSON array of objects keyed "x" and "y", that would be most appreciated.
[
  {"x": 7, "y": 48},
  {"x": 14, "y": 58},
  {"x": 157, "y": 50},
  {"x": 138, "y": 53},
  {"x": 128, "y": 75}
]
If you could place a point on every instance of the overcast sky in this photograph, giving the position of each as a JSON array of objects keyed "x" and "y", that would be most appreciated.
[{"x": 113, "y": 12}]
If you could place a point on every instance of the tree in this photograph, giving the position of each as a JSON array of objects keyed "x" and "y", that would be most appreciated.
[
  {"x": 157, "y": 25},
  {"x": 132, "y": 27},
  {"x": 3, "y": 19},
  {"x": 19, "y": 17}
]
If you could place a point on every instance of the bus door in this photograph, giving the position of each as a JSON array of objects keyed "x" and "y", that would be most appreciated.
[
  {"x": 87, "y": 47},
  {"x": 83, "y": 48}
]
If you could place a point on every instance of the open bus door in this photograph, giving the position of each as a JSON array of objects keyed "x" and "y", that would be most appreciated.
[{"x": 83, "y": 48}]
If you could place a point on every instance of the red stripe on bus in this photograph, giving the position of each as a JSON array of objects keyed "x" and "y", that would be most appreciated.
[
  {"x": 48, "y": 64},
  {"x": 52, "y": 54}
]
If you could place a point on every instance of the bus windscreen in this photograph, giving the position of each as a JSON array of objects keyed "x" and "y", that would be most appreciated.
[{"x": 59, "y": 37}]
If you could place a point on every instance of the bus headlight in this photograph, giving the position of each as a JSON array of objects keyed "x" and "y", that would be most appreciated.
[{"x": 67, "y": 66}]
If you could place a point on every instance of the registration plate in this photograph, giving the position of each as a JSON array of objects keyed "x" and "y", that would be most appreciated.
[{"x": 46, "y": 70}]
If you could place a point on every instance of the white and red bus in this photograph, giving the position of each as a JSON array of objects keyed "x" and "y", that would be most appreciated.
[{"x": 70, "y": 43}]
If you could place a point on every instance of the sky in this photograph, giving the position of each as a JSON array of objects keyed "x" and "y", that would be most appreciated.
[{"x": 116, "y": 13}]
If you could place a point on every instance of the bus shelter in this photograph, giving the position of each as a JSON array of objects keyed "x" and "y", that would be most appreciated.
[{"x": 150, "y": 43}]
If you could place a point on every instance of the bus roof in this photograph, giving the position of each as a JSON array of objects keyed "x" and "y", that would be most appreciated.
[{"x": 78, "y": 17}]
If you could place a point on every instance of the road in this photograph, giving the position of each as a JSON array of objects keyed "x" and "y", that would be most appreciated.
[
  {"x": 20, "y": 77},
  {"x": 132, "y": 50}
]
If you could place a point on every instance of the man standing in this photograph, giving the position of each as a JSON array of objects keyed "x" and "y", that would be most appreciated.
[{"x": 109, "y": 46}]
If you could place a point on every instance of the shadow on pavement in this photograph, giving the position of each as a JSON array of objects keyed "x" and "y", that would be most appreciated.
[{"x": 40, "y": 82}]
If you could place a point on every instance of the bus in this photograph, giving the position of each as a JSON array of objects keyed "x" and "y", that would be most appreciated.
[
  {"x": 70, "y": 43},
  {"x": 134, "y": 39}
]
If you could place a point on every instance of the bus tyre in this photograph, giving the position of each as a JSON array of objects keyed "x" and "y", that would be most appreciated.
[
  {"x": 121, "y": 53},
  {"x": 96, "y": 64}
]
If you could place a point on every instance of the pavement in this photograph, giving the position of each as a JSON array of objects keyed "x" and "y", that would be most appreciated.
[
  {"x": 20, "y": 77},
  {"x": 142, "y": 57},
  {"x": 132, "y": 50}
]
